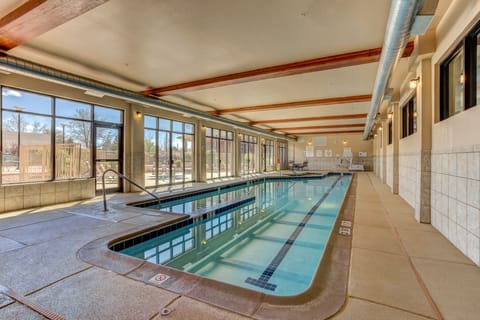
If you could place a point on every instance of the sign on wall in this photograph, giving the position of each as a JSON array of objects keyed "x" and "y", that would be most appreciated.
[
  {"x": 320, "y": 141},
  {"x": 309, "y": 151}
]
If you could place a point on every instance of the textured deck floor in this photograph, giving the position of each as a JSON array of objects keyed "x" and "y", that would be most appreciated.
[{"x": 400, "y": 269}]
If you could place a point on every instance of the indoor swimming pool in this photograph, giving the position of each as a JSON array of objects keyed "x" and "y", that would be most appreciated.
[{"x": 269, "y": 237}]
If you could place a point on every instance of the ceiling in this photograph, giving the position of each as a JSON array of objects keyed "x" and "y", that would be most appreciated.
[{"x": 294, "y": 67}]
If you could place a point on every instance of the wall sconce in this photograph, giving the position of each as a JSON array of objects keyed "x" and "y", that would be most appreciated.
[
  {"x": 138, "y": 115},
  {"x": 344, "y": 142},
  {"x": 462, "y": 78},
  {"x": 413, "y": 83},
  {"x": 390, "y": 116},
  {"x": 380, "y": 129}
]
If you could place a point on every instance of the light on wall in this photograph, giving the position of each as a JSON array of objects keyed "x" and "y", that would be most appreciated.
[
  {"x": 413, "y": 83},
  {"x": 389, "y": 116},
  {"x": 462, "y": 78},
  {"x": 138, "y": 115},
  {"x": 344, "y": 142}
]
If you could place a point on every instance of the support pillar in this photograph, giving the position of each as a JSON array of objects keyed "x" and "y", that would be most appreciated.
[{"x": 395, "y": 142}]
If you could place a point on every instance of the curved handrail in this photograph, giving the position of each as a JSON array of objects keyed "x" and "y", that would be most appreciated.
[{"x": 122, "y": 177}]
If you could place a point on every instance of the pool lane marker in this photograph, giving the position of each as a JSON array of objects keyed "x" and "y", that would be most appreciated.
[{"x": 262, "y": 282}]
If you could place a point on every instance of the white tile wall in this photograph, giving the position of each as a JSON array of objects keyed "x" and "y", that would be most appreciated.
[
  {"x": 409, "y": 178},
  {"x": 389, "y": 170},
  {"x": 15, "y": 197},
  {"x": 455, "y": 198}
]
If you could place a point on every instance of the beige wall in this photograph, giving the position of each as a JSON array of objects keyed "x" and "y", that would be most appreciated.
[{"x": 334, "y": 142}]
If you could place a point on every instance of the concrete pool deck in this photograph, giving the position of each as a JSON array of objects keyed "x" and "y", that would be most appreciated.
[{"x": 399, "y": 269}]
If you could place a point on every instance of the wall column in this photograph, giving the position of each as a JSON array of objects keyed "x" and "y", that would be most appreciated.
[
  {"x": 236, "y": 153},
  {"x": 200, "y": 152},
  {"x": 396, "y": 143},
  {"x": 136, "y": 147},
  {"x": 424, "y": 124},
  {"x": 384, "y": 140}
]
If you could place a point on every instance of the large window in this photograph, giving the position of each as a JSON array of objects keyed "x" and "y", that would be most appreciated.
[
  {"x": 46, "y": 138},
  {"x": 390, "y": 132},
  {"x": 409, "y": 118},
  {"x": 73, "y": 139},
  {"x": 282, "y": 154},
  {"x": 169, "y": 151},
  {"x": 268, "y": 155},
  {"x": 460, "y": 77},
  {"x": 219, "y": 153},
  {"x": 248, "y": 153}
]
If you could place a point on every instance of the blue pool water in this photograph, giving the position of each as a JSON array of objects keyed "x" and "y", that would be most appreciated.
[{"x": 272, "y": 243}]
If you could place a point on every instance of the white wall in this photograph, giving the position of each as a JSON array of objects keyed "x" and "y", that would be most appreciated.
[
  {"x": 389, "y": 164},
  {"x": 408, "y": 169}
]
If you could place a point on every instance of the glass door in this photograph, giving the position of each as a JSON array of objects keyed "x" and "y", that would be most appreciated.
[
  {"x": 177, "y": 168},
  {"x": 164, "y": 157},
  {"x": 108, "y": 156}
]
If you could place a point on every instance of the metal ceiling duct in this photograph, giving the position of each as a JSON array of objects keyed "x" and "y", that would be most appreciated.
[{"x": 399, "y": 24}]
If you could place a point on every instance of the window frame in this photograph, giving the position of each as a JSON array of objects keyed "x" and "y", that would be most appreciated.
[
  {"x": 229, "y": 143},
  {"x": 390, "y": 132},
  {"x": 409, "y": 117},
  {"x": 467, "y": 46},
  {"x": 53, "y": 131},
  {"x": 170, "y": 132}
]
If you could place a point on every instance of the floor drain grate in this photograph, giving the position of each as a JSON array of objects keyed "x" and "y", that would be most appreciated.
[{"x": 26, "y": 302}]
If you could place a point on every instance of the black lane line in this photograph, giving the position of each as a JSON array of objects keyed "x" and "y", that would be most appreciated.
[{"x": 262, "y": 282}]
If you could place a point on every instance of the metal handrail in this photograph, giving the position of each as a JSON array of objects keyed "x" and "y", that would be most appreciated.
[{"x": 122, "y": 177}]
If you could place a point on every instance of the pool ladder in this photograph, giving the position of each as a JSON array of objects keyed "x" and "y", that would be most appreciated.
[{"x": 125, "y": 178}]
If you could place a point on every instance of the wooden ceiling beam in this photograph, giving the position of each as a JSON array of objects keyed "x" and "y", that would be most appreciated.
[
  {"x": 327, "y": 132},
  {"x": 292, "y": 104},
  {"x": 335, "y": 117},
  {"x": 36, "y": 17},
  {"x": 318, "y": 64},
  {"x": 331, "y": 126}
]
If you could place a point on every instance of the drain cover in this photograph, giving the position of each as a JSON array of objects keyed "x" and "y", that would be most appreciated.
[{"x": 165, "y": 311}]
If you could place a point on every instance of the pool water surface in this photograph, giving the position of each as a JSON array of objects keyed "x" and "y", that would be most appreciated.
[{"x": 272, "y": 243}]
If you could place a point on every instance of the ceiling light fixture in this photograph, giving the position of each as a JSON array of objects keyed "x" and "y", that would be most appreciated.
[{"x": 94, "y": 93}]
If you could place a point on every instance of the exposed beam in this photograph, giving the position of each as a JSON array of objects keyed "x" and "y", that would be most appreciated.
[
  {"x": 318, "y": 64},
  {"x": 327, "y": 132},
  {"x": 331, "y": 126},
  {"x": 36, "y": 17},
  {"x": 335, "y": 117},
  {"x": 292, "y": 104}
]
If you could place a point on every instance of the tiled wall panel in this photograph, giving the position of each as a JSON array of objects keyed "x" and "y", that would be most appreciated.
[
  {"x": 455, "y": 198},
  {"x": 16, "y": 197}
]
